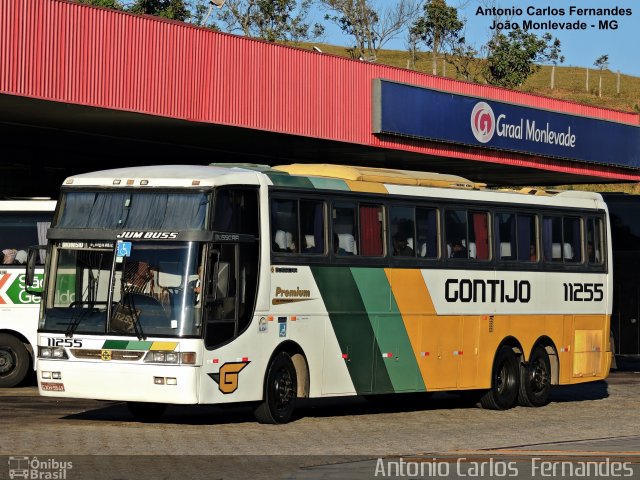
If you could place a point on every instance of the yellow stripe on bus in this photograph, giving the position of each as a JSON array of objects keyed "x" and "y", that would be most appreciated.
[{"x": 170, "y": 346}]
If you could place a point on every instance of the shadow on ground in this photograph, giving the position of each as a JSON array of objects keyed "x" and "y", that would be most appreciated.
[{"x": 331, "y": 407}]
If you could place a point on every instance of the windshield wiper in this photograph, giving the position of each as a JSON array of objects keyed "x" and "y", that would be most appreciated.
[{"x": 82, "y": 313}]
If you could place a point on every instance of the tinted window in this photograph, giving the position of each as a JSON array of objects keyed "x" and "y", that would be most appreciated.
[{"x": 20, "y": 230}]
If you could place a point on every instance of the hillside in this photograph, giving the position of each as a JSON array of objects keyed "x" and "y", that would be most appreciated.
[{"x": 570, "y": 81}]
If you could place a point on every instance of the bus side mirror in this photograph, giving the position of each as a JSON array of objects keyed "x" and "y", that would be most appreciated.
[{"x": 30, "y": 284}]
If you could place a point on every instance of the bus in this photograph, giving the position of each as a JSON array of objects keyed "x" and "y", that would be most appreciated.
[
  {"x": 245, "y": 283},
  {"x": 23, "y": 223},
  {"x": 625, "y": 244}
]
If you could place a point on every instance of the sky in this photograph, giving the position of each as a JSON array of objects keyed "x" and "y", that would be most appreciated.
[{"x": 579, "y": 47}]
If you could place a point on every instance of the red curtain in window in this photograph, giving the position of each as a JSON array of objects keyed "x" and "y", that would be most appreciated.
[
  {"x": 370, "y": 230},
  {"x": 481, "y": 230}
]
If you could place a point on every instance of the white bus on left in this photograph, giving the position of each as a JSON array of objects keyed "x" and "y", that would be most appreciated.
[{"x": 23, "y": 223}]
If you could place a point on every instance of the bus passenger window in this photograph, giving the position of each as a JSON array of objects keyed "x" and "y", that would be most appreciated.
[
  {"x": 527, "y": 244},
  {"x": 552, "y": 239},
  {"x": 427, "y": 233},
  {"x": 506, "y": 236},
  {"x": 455, "y": 227},
  {"x": 402, "y": 228},
  {"x": 344, "y": 228},
  {"x": 284, "y": 226},
  {"x": 479, "y": 236},
  {"x": 572, "y": 240},
  {"x": 595, "y": 234},
  {"x": 371, "y": 228},
  {"x": 312, "y": 226}
]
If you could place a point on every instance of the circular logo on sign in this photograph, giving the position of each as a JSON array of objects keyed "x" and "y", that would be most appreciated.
[{"x": 483, "y": 123}]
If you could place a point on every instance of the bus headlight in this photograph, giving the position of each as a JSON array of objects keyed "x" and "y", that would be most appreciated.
[
  {"x": 158, "y": 356},
  {"x": 58, "y": 353}
]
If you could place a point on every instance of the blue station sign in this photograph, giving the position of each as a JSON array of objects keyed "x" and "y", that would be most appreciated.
[{"x": 417, "y": 112}]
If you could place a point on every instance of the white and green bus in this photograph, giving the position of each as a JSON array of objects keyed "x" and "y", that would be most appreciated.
[
  {"x": 222, "y": 284},
  {"x": 23, "y": 223}
]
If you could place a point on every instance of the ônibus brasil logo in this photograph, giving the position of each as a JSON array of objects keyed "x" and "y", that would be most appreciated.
[{"x": 483, "y": 123}]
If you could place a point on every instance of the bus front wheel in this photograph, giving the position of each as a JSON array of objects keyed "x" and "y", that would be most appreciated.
[
  {"x": 14, "y": 361},
  {"x": 535, "y": 379},
  {"x": 505, "y": 380},
  {"x": 280, "y": 391}
]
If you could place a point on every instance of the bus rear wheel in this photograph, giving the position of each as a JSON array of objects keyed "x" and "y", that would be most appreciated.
[
  {"x": 280, "y": 391},
  {"x": 146, "y": 412},
  {"x": 14, "y": 361},
  {"x": 535, "y": 379},
  {"x": 505, "y": 380}
]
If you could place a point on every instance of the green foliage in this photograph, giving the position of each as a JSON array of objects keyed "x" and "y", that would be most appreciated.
[
  {"x": 511, "y": 58},
  {"x": 171, "y": 9},
  {"x": 114, "y": 4},
  {"x": 271, "y": 20},
  {"x": 439, "y": 24},
  {"x": 439, "y": 28},
  {"x": 602, "y": 62}
]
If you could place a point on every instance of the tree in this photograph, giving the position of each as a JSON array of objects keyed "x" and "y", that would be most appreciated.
[
  {"x": 464, "y": 59},
  {"x": 438, "y": 27},
  {"x": 601, "y": 63},
  {"x": 271, "y": 20},
  {"x": 511, "y": 58},
  {"x": 371, "y": 26},
  {"x": 114, "y": 4},
  {"x": 171, "y": 9}
]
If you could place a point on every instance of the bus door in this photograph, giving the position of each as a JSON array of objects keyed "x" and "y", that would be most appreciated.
[{"x": 232, "y": 269}]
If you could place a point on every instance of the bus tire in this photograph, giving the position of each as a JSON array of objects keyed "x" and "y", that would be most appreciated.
[
  {"x": 280, "y": 391},
  {"x": 505, "y": 380},
  {"x": 14, "y": 361},
  {"x": 147, "y": 412},
  {"x": 535, "y": 379}
]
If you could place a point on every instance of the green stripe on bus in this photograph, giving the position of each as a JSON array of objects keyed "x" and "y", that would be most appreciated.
[
  {"x": 138, "y": 345},
  {"x": 329, "y": 183},
  {"x": 115, "y": 344},
  {"x": 286, "y": 180},
  {"x": 391, "y": 335},
  {"x": 352, "y": 327}
]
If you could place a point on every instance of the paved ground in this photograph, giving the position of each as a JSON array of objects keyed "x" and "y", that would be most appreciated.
[{"x": 332, "y": 438}]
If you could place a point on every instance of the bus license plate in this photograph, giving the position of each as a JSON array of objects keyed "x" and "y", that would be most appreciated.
[{"x": 52, "y": 387}]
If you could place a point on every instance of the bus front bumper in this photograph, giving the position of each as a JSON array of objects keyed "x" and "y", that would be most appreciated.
[{"x": 177, "y": 384}]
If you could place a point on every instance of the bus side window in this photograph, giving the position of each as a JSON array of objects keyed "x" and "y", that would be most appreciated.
[
  {"x": 344, "y": 229},
  {"x": 427, "y": 245},
  {"x": 552, "y": 239},
  {"x": 312, "y": 225},
  {"x": 455, "y": 229},
  {"x": 20, "y": 230},
  {"x": 371, "y": 228},
  {"x": 595, "y": 235},
  {"x": 284, "y": 226},
  {"x": 478, "y": 246},
  {"x": 506, "y": 236},
  {"x": 403, "y": 232},
  {"x": 572, "y": 239}
]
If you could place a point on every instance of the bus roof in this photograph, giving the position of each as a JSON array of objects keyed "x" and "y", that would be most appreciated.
[
  {"x": 399, "y": 181},
  {"x": 380, "y": 175},
  {"x": 163, "y": 176}
]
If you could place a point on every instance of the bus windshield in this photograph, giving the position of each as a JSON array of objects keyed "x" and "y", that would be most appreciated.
[{"x": 144, "y": 289}]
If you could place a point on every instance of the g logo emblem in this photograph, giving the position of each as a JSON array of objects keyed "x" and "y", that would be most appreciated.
[
  {"x": 105, "y": 355},
  {"x": 227, "y": 377},
  {"x": 483, "y": 123}
]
